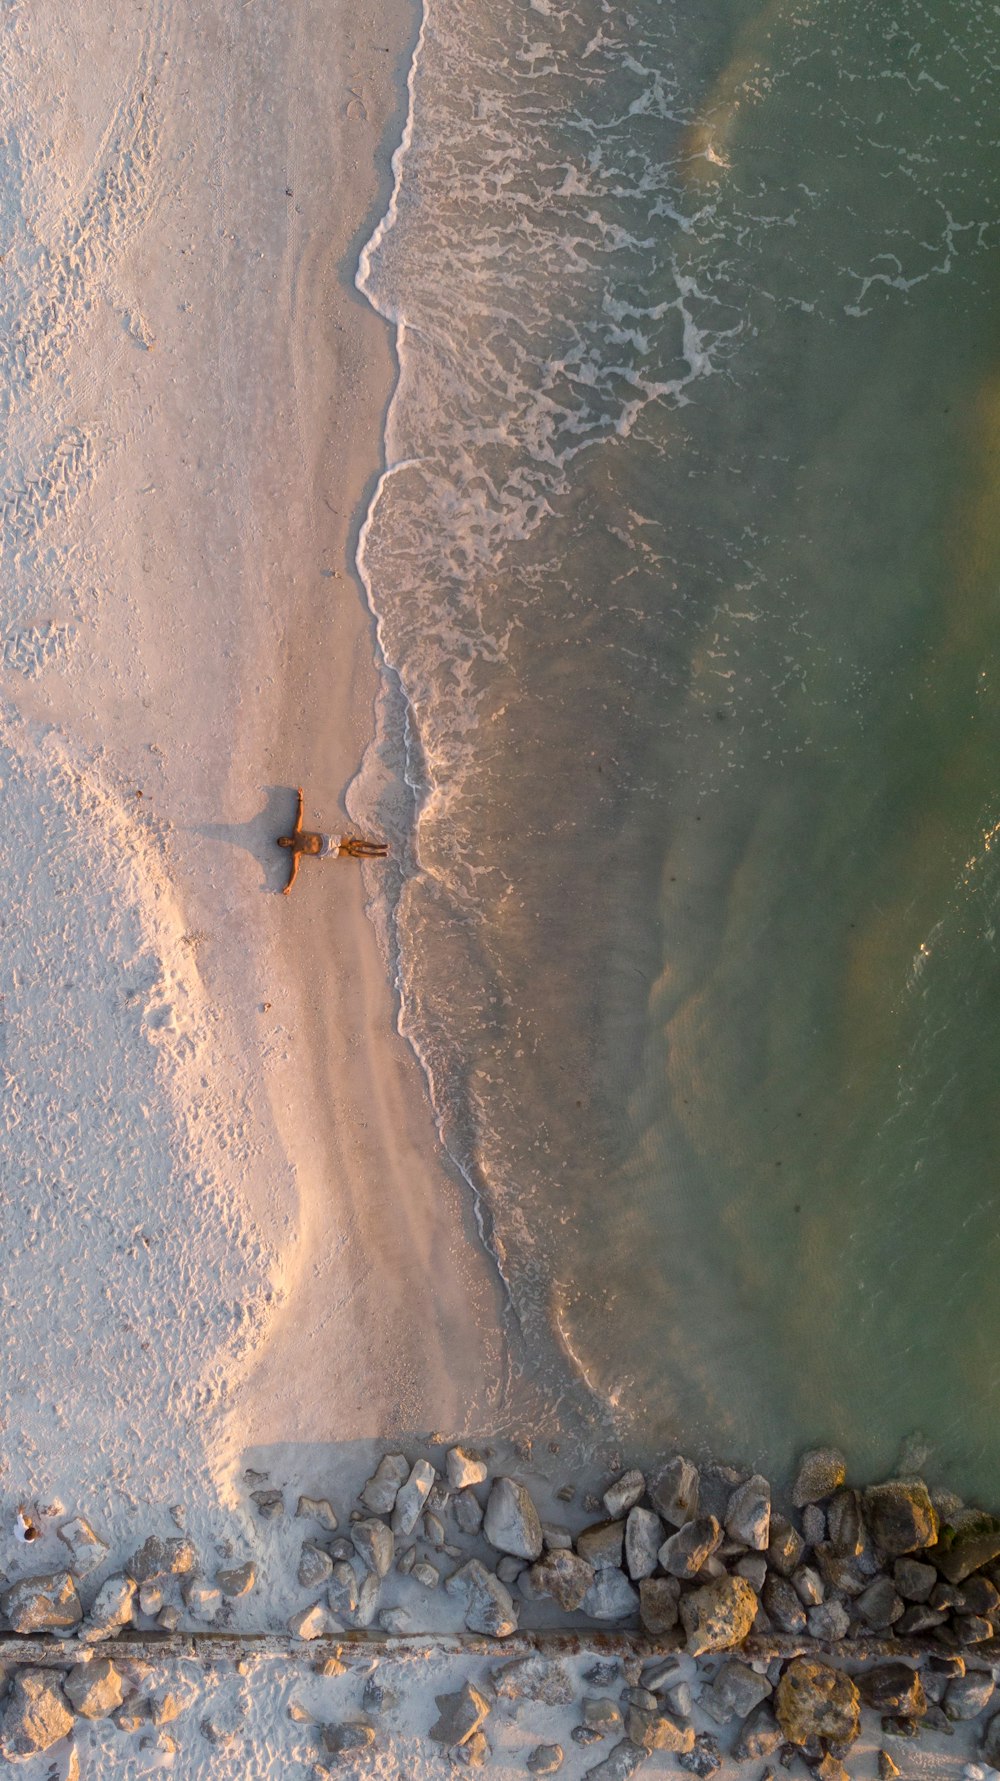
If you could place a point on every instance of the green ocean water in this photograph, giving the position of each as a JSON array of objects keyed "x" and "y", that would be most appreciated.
[{"x": 687, "y": 563}]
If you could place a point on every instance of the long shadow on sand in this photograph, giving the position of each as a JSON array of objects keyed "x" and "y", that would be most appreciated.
[{"x": 259, "y": 836}]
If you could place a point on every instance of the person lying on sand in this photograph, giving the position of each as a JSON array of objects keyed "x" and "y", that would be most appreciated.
[{"x": 322, "y": 847}]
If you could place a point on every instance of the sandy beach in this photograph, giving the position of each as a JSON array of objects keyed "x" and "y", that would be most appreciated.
[{"x": 245, "y": 1173}]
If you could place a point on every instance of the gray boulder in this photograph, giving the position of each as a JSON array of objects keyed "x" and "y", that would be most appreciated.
[
  {"x": 968, "y": 1541},
  {"x": 735, "y": 1692},
  {"x": 315, "y": 1566},
  {"x": 821, "y": 1472},
  {"x": 658, "y": 1731},
  {"x": 460, "y": 1715},
  {"x": 602, "y": 1543},
  {"x": 968, "y": 1696},
  {"x": 468, "y": 1512},
  {"x": 782, "y": 1605},
  {"x": 658, "y": 1604},
  {"x": 623, "y": 1761},
  {"x": 901, "y": 1516},
  {"x": 813, "y": 1524},
  {"x": 719, "y": 1615},
  {"x": 894, "y": 1688},
  {"x": 564, "y": 1576},
  {"x": 643, "y": 1539},
  {"x": 828, "y": 1622},
  {"x": 610, "y": 1596},
  {"x": 36, "y": 1715},
  {"x": 375, "y": 1545},
  {"x": 623, "y": 1495},
  {"x": 748, "y": 1514},
  {"x": 785, "y": 1547},
  {"x": 95, "y": 1689},
  {"x": 845, "y": 1523},
  {"x": 351, "y": 1738},
  {"x": 601, "y": 1715},
  {"x": 269, "y": 1504},
  {"x": 158, "y": 1558},
  {"x": 752, "y": 1566},
  {"x": 381, "y": 1490},
  {"x": 684, "y": 1553},
  {"x": 238, "y": 1581},
  {"x": 411, "y": 1497},
  {"x": 675, "y": 1493},
  {"x": 808, "y": 1586},
  {"x": 42, "y": 1604},
  {"x": 759, "y": 1735},
  {"x": 489, "y": 1607},
  {"x": 511, "y": 1521},
  {"x": 879, "y": 1603},
  {"x": 545, "y": 1759}
]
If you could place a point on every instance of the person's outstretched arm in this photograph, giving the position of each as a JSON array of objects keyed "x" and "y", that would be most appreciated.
[
  {"x": 298, "y": 821},
  {"x": 292, "y": 872}
]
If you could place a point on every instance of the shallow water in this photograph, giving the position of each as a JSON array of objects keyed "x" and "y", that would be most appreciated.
[{"x": 687, "y": 565}]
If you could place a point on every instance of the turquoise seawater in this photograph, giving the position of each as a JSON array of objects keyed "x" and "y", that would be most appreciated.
[{"x": 687, "y": 564}]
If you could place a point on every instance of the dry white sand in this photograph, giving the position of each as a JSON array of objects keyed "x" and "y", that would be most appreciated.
[{"x": 224, "y": 1219}]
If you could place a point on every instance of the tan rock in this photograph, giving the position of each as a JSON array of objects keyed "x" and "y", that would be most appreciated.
[
  {"x": 815, "y": 1701},
  {"x": 36, "y": 1715},
  {"x": 95, "y": 1689},
  {"x": 42, "y": 1604},
  {"x": 718, "y": 1616}
]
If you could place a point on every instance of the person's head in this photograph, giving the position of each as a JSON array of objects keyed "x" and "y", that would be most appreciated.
[{"x": 286, "y": 840}]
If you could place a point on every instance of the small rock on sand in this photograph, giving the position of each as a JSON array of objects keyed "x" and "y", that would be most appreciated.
[
  {"x": 315, "y": 1566},
  {"x": 623, "y": 1761},
  {"x": 759, "y": 1735},
  {"x": 89, "y": 1551},
  {"x": 511, "y": 1521},
  {"x": 95, "y": 1689},
  {"x": 270, "y": 1504},
  {"x": 36, "y": 1714},
  {"x": 464, "y": 1467},
  {"x": 239, "y": 1581},
  {"x": 821, "y": 1472},
  {"x": 380, "y": 1492},
  {"x": 735, "y": 1692},
  {"x": 460, "y": 1715},
  {"x": 319, "y": 1510},
  {"x": 894, "y": 1688},
  {"x": 545, "y": 1759},
  {"x": 42, "y": 1604},
  {"x": 350, "y": 1738}
]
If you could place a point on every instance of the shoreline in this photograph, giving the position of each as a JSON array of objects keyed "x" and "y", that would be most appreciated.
[{"x": 195, "y": 396}]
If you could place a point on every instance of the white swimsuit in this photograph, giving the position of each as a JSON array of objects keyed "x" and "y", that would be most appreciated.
[{"x": 330, "y": 847}]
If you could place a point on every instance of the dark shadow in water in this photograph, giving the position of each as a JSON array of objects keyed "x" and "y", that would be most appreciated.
[{"x": 259, "y": 836}]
